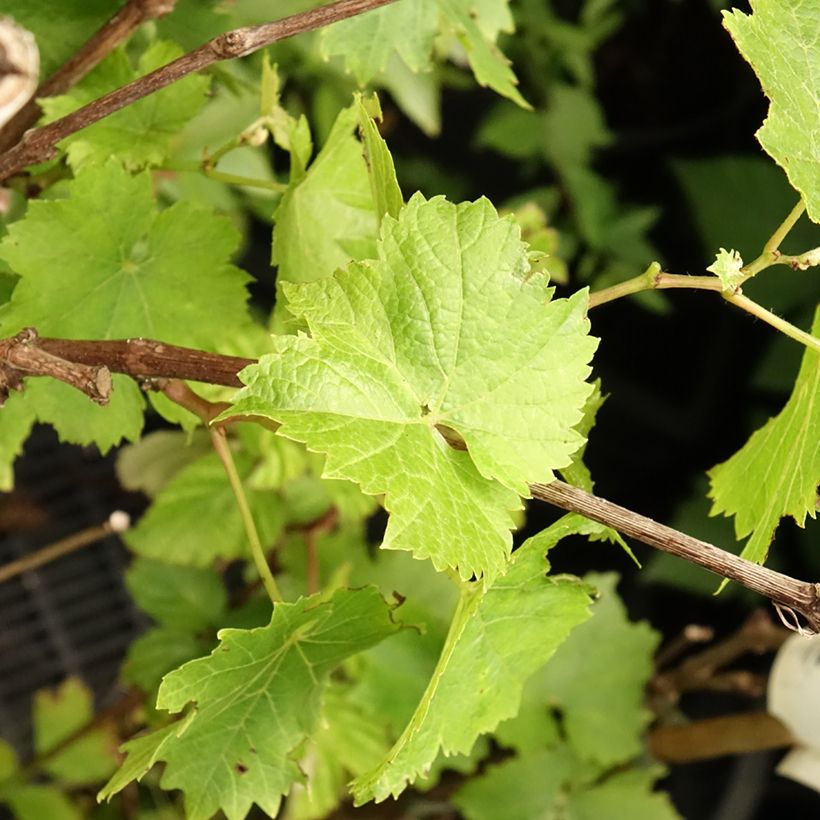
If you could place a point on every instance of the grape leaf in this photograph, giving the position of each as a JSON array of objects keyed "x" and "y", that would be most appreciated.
[
  {"x": 143, "y": 752},
  {"x": 497, "y": 639},
  {"x": 366, "y": 42},
  {"x": 409, "y": 28},
  {"x": 554, "y": 783},
  {"x": 195, "y": 518},
  {"x": 624, "y": 794},
  {"x": 129, "y": 275},
  {"x": 35, "y": 802},
  {"x": 490, "y": 67},
  {"x": 289, "y": 133},
  {"x": 600, "y": 692},
  {"x": 79, "y": 421},
  {"x": 327, "y": 218},
  {"x": 779, "y": 40},
  {"x": 387, "y": 198},
  {"x": 448, "y": 329},
  {"x": 57, "y": 715},
  {"x": 187, "y": 598},
  {"x": 139, "y": 134},
  {"x": 393, "y": 675},
  {"x": 147, "y": 465},
  {"x": 258, "y": 697},
  {"x": 138, "y": 272},
  {"x": 525, "y": 787},
  {"x": 776, "y": 472},
  {"x": 194, "y": 22},
  {"x": 349, "y": 741},
  {"x": 166, "y": 647},
  {"x": 159, "y": 650}
]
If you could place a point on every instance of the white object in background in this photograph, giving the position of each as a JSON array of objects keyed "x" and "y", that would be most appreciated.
[
  {"x": 794, "y": 697},
  {"x": 19, "y": 68}
]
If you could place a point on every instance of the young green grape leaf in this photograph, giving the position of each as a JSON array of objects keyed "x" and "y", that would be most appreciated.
[
  {"x": 258, "y": 698},
  {"x": 497, "y": 639},
  {"x": 600, "y": 692},
  {"x": 195, "y": 518},
  {"x": 776, "y": 472},
  {"x": 187, "y": 598},
  {"x": 327, "y": 218},
  {"x": 290, "y": 133},
  {"x": 490, "y": 67},
  {"x": 57, "y": 715},
  {"x": 366, "y": 42},
  {"x": 409, "y": 29},
  {"x": 447, "y": 330},
  {"x": 727, "y": 267},
  {"x": 387, "y": 197},
  {"x": 16, "y": 421},
  {"x": 140, "y": 134},
  {"x": 779, "y": 40}
]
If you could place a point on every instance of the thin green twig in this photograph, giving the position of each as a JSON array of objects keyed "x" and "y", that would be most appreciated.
[
  {"x": 653, "y": 278},
  {"x": 220, "y": 443},
  {"x": 770, "y": 254},
  {"x": 776, "y": 239},
  {"x": 750, "y": 306}
]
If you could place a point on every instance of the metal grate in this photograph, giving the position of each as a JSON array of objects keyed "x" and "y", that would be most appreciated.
[{"x": 72, "y": 616}]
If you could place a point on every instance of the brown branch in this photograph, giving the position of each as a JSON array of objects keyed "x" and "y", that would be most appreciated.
[
  {"x": 738, "y": 682},
  {"x": 692, "y": 634},
  {"x": 39, "y": 144},
  {"x": 757, "y": 636},
  {"x": 125, "y": 21},
  {"x": 86, "y": 365},
  {"x": 23, "y": 355},
  {"x": 716, "y": 737},
  {"x": 799, "y": 596}
]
